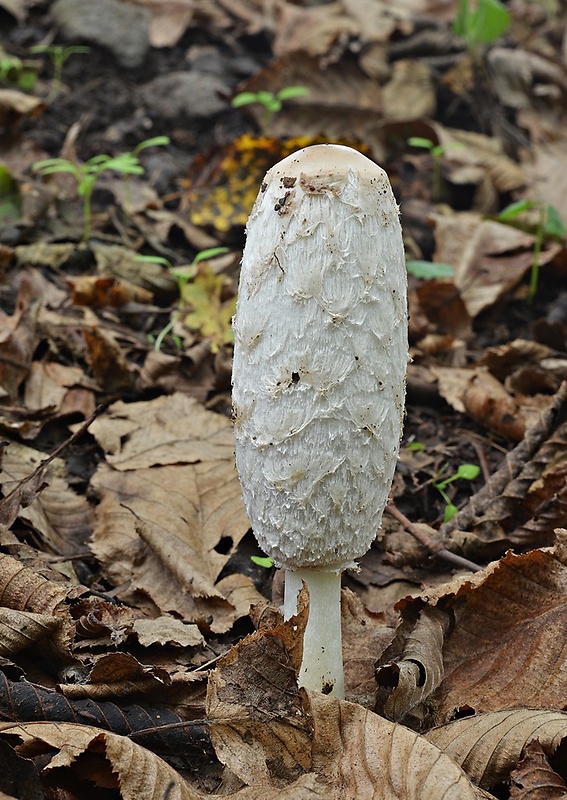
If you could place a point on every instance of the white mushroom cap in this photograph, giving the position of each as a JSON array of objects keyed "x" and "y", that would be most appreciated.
[{"x": 320, "y": 357}]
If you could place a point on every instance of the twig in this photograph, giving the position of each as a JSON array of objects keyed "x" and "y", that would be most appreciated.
[
  {"x": 57, "y": 452},
  {"x": 435, "y": 548}
]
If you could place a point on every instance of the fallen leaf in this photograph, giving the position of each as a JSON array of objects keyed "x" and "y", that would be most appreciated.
[
  {"x": 168, "y": 497},
  {"x": 167, "y": 630},
  {"x": 63, "y": 389},
  {"x": 211, "y": 314},
  {"x": 410, "y": 679},
  {"x": 489, "y": 258},
  {"x": 504, "y": 651},
  {"x": 534, "y": 779},
  {"x": 61, "y": 518},
  {"x": 116, "y": 761},
  {"x": 488, "y": 746},
  {"x": 100, "y": 292}
]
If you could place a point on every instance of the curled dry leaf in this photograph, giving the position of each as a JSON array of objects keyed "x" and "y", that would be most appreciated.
[
  {"x": 411, "y": 678},
  {"x": 23, "y": 589},
  {"x": 534, "y": 779},
  {"x": 525, "y": 498},
  {"x": 51, "y": 386},
  {"x": 488, "y": 746},
  {"x": 20, "y": 630},
  {"x": 488, "y": 402},
  {"x": 489, "y": 258},
  {"x": 116, "y": 762},
  {"x": 261, "y": 724}
]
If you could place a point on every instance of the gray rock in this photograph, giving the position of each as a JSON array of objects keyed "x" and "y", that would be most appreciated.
[
  {"x": 119, "y": 27},
  {"x": 185, "y": 94}
]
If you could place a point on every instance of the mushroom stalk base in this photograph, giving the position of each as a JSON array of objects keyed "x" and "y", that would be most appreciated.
[{"x": 322, "y": 664}]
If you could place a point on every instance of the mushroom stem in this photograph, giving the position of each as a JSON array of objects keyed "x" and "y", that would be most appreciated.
[{"x": 322, "y": 664}]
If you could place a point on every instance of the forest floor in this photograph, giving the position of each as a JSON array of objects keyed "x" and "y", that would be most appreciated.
[{"x": 142, "y": 652}]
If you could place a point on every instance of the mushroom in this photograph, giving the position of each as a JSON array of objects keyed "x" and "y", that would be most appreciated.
[{"x": 320, "y": 360}]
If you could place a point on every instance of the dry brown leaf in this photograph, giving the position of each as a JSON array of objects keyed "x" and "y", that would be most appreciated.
[
  {"x": 99, "y": 292},
  {"x": 170, "y": 497},
  {"x": 365, "y": 636},
  {"x": 117, "y": 762},
  {"x": 22, "y": 629},
  {"x": 18, "y": 338},
  {"x": 443, "y": 306},
  {"x": 157, "y": 530},
  {"x": 14, "y": 104},
  {"x": 411, "y": 678},
  {"x": 470, "y": 157},
  {"x": 361, "y": 755},
  {"x": 60, "y": 387},
  {"x": 504, "y": 651},
  {"x": 488, "y": 746},
  {"x": 114, "y": 259},
  {"x": 547, "y": 171},
  {"x": 260, "y": 720},
  {"x": 268, "y": 733},
  {"x": 167, "y": 430},
  {"x": 190, "y": 373},
  {"x": 534, "y": 779},
  {"x": 61, "y": 518},
  {"x": 23, "y": 589},
  {"x": 452, "y": 383},
  {"x": 488, "y": 402},
  {"x": 167, "y": 630},
  {"x": 489, "y": 258},
  {"x": 410, "y": 93},
  {"x": 111, "y": 370},
  {"x": 342, "y": 102}
]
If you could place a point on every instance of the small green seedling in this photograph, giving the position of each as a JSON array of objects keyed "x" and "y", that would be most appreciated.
[
  {"x": 263, "y": 561},
  {"x": 271, "y": 102},
  {"x": 16, "y": 73},
  {"x": 415, "y": 447},
  {"x": 436, "y": 151},
  {"x": 429, "y": 269},
  {"x": 482, "y": 23},
  {"x": 58, "y": 55},
  {"x": 183, "y": 275},
  {"x": 87, "y": 174},
  {"x": 467, "y": 472},
  {"x": 549, "y": 225}
]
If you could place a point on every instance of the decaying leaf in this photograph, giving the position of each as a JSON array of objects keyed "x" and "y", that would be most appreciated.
[
  {"x": 20, "y": 629},
  {"x": 116, "y": 761},
  {"x": 212, "y": 313},
  {"x": 534, "y": 779},
  {"x": 111, "y": 370},
  {"x": 260, "y": 720},
  {"x": 100, "y": 292},
  {"x": 167, "y": 630},
  {"x": 488, "y": 746},
  {"x": 504, "y": 651},
  {"x": 489, "y": 258},
  {"x": 269, "y": 732},
  {"x": 60, "y": 388},
  {"x": 525, "y": 498},
  {"x": 411, "y": 678},
  {"x": 168, "y": 499},
  {"x": 62, "y": 519},
  {"x": 23, "y": 589}
]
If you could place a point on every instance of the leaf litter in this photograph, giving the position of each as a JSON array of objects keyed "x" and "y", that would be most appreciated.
[{"x": 142, "y": 651}]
